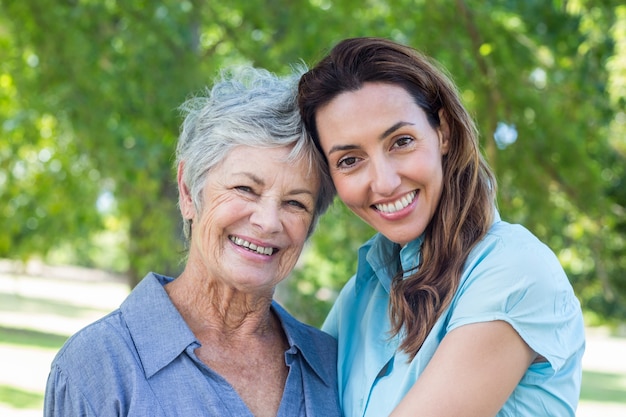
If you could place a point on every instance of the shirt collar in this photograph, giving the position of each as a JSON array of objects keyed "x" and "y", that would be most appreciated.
[
  {"x": 158, "y": 330},
  {"x": 379, "y": 257},
  {"x": 383, "y": 258},
  {"x": 160, "y": 334},
  {"x": 303, "y": 338}
]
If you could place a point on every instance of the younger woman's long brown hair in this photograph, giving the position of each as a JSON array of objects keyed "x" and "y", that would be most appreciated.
[{"x": 466, "y": 209}]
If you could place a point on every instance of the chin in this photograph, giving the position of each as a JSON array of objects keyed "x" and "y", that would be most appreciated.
[{"x": 401, "y": 239}]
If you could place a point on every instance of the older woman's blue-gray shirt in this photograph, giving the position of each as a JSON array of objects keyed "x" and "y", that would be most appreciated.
[{"x": 140, "y": 361}]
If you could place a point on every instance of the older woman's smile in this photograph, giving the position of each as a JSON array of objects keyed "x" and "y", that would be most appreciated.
[{"x": 252, "y": 247}]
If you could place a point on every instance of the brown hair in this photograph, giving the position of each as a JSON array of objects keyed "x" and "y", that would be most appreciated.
[{"x": 466, "y": 207}]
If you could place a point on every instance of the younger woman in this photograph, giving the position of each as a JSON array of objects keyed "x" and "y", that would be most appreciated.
[{"x": 452, "y": 311}]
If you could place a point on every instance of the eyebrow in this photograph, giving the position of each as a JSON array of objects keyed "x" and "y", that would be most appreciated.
[
  {"x": 253, "y": 177},
  {"x": 393, "y": 128},
  {"x": 259, "y": 181},
  {"x": 301, "y": 191},
  {"x": 382, "y": 136}
]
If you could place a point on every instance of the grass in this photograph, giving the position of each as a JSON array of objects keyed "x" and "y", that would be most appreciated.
[
  {"x": 603, "y": 387},
  {"x": 39, "y": 305},
  {"x": 20, "y": 399},
  {"x": 37, "y": 315},
  {"x": 15, "y": 397},
  {"x": 30, "y": 338}
]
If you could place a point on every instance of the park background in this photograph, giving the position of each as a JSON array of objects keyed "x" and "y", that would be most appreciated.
[{"x": 89, "y": 91}]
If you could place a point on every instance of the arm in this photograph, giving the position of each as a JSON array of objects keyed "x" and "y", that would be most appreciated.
[{"x": 474, "y": 370}]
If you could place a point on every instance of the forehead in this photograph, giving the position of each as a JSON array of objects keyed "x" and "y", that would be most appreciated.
[
  {"x": 382, "y": 92},
  {"x": 268, "y": 165},
  {"x": 374, "y": 108}
]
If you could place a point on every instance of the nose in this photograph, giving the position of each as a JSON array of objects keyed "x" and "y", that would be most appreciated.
[
  {"x": 267, "y": 217},
  {"x": 384, "y": 177}
]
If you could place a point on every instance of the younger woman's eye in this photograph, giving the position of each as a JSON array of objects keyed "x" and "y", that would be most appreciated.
[
  {"x": 402, "y": 141},
  {"x": 346, "y": 162}
]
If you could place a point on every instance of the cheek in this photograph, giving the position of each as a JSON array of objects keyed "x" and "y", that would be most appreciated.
[
  {"x": 436, "y": 178},
  {"x": 217, "y": 212},
  {"x": 300, "y": 229},
  {"x": 291, "y": 254},
  {"x": 203, "y": 229},
  {"x": 350, "y": 191}
]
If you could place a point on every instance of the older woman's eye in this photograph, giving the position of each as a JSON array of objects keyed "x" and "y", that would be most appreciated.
[
  {"x": 297, "y": 204},
  {"x": 243, "y": 188}
]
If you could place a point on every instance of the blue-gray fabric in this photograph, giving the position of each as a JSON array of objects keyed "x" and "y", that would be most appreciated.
[
  {"x": 510, "y": 276},
  {"x": 139, "y": 361}
]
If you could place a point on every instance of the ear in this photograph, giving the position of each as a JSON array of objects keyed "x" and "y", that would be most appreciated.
[
  {"x": 444, "y": 133},
  {"x": 185, "y": 201}
]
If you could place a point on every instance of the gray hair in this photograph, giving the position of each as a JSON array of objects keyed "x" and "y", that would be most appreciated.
[{"x": 251, "y": 107}]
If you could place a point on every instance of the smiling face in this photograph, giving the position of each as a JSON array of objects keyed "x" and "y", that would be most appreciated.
[
  {"x": 256, "y": 212},
  {"x": 384, "y": 157}
]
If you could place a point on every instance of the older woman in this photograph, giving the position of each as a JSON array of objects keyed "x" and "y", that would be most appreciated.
[
  {"x": 212, "y": 342},
  {"x": 452, "y": 311}
]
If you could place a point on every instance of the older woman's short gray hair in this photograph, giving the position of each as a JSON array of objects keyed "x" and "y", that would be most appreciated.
[{"x": 252, "y": 107}]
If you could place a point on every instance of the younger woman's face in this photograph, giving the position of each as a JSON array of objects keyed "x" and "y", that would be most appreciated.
[{"x": 385, "y": 158}]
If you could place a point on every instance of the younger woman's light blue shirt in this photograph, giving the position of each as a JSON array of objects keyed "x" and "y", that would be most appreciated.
[{"x": 510, "y": 275}]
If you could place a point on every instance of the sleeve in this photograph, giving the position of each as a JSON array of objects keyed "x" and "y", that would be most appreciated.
[
  {"x": 62, "y": 399},
  {"x": 519, "y": 280}
]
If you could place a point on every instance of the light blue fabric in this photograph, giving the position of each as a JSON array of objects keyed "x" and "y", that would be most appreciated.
[
  {"x": 509, "y": 276},
  {"x": 140, "y": 361}
]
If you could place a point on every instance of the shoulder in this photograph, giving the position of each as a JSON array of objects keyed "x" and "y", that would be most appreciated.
[
  {"x": 92, "y": 369},
  {"x": 347, "y": 293},
  {"x": 510, "y": 237},
  {"x": 510, "y": 264},
  {"x": 512, "y": 276},
  {"x": 510, "y": 252},
  {"x": 105, "y": 342},
  {"x": 512, "y": 273}
]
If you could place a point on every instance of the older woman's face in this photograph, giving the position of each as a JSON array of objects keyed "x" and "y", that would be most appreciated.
[
  {"x": 256, "y": 212},
  {"x": 385, "y": 158}
]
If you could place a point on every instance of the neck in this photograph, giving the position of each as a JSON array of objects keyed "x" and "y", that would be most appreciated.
[{"x": 211, "y": 307}]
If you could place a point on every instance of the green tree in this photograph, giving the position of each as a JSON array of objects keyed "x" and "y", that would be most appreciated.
[{"x": 89, "y": 90}]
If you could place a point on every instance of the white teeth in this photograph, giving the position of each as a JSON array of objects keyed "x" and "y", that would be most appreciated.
[
  {"x": 398, "y": 205},
  {"x": 251, "y": 246}
]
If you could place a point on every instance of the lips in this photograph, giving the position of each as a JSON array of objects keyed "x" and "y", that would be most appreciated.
[
  {"x": 397, "y": 205},
  {"x": 262, "y": 250}
]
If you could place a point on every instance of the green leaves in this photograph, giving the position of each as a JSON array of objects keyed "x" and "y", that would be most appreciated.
[{"x": 89, "y": 92}]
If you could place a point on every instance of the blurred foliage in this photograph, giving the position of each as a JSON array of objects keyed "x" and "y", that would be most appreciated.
[{"x": 89, "y": 91}]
